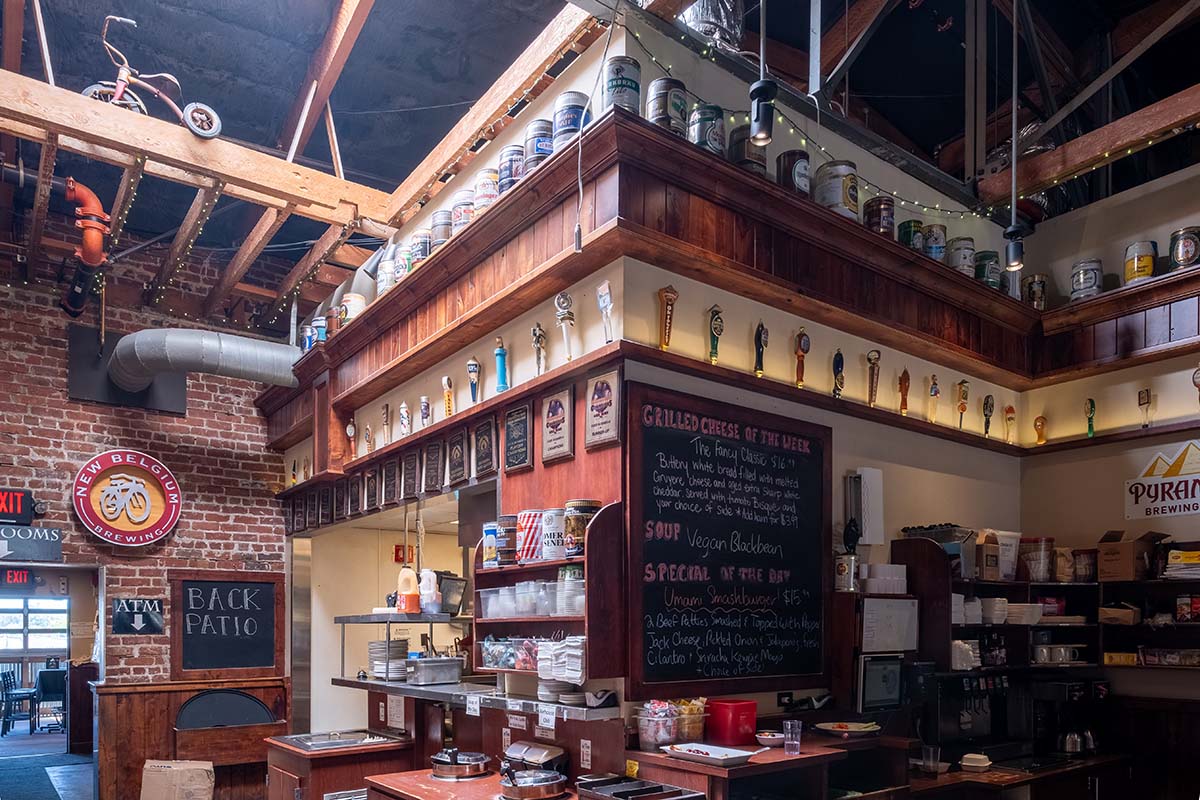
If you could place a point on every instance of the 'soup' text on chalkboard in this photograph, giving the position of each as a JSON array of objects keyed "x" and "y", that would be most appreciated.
[
  {"x": 227, "y": 624},
  {"x": 730, "y": 543}
]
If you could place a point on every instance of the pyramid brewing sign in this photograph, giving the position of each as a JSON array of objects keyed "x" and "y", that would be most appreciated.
[{"x": 1169, "y": 486}]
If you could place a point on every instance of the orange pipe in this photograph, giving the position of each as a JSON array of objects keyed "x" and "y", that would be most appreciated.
[{"x": 91, "y": 221}]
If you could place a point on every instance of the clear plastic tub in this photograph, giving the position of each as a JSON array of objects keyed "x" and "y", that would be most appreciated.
[
  {"x": 655, "y": 732},
  {"x": 505, "y": 604},
  {"x": 526, "y": 598},
  {"x": 487, "y": 603},
  {"x": 1035, "y": 559}
]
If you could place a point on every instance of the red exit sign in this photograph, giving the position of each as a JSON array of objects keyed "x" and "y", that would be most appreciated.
[
  {"x": 17, "y": 578},
  {"x": 16, "y": 506}
]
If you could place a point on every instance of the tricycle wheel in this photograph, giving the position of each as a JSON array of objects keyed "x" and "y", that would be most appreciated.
[{"x": 202, "y": 120}]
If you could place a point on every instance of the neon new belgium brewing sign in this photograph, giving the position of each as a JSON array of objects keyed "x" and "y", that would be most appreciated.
[{"x": 127, "y": 498}]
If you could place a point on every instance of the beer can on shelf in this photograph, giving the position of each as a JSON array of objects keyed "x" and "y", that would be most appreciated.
[
  {"x": 529, "y": 535},
  {"x": 308, "y": 337},
  {"x": 487, "y": 187},
  {"x": 1185, "y": 248},
  {"x": 745, "y": 153},
  {"x": 1087, "y": 278},
  {"x": 539, "y": 142},
  {"x": 879, "y": 214},
  {"x": 666, "y": 105},
  {"x": 463, "y": 210},
  {"x": 554, "y": 534},
  {"x": 835, "y": 186},
  {"x": 987, "y": 268},
  {"x": 911, "y": 235},
  {"x": 1033, "y": 290},
  {"x": 623, "y": 83},
  {"x": 569, "y": 117},
  {"x": 933, "y": 241},
  {"x": 1139, "y": 261},
  {"x": 960, "y": 255},
  {"x": 511, "y": 168},
  {"x": 441, "y": 226},
  {"x": 791, "y": 171},
  {"x": 706, "y": 128}
]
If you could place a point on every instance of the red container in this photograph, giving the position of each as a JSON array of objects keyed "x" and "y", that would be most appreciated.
[{"x": 731, "y": 723}]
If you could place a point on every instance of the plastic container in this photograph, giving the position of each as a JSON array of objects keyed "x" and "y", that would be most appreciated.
[
  {"x": 1035, "y": 558},
  {"x": 409, "y": 600},
  {"x": 656, "y": 732},
  {"x": 732, "y": 723},
  {"x": 487, "y": 603},
  {"x": 546, "y": 599},
  {"x": 526, "y": 598}
]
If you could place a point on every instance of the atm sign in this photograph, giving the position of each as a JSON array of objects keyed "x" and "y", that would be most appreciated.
[
  {"x": 16, "y": 507},
  {"x": 17, "y": 578}
]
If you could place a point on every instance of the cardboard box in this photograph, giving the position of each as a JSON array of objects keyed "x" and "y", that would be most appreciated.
[
  {"x": 987, "y": 557},
  {"x": 1124, "y": 614},
  {"x": 1121, "y": 659},
  {"x": 1123, "y": 557},
  {"x": 177, "y": 780}
]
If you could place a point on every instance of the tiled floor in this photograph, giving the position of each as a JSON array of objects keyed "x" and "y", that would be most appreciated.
[{"x": 73, "y": 782}]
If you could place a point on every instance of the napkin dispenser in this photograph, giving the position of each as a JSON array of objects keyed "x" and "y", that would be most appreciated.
[{"x": 536, "y": 755}]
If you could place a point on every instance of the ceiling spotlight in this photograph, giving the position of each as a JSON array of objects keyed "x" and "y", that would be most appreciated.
[
  {"x": 1014, "y": 254},
  {"x": 762, "y": 111}
]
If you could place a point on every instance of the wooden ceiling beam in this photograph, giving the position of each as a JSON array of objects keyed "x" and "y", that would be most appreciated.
[
  {"x": 41, "y": 205},
  {"x": 844, "y": 36},
  {"x": 484, "y": 118},
  {"x": 181, "y": 246},
  {"x": 259, "y": 237},
  {"x": 667, "y": 9},
  {"x": 1114, "y": 141},
  {"x": 66, "y": 113},
  {"x": 350, "y": 255},
  {"x": 333, "y": 238},
  {"x": 123, "y": 200},
  {"x": 13, "y": 22}
]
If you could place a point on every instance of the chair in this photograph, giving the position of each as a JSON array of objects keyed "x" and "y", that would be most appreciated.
[
  {"x": 11, "y": 698},
  {"x": 51, "y": 688}
]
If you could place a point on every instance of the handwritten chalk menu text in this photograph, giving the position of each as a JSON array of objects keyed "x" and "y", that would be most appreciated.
[
  {"x": 730, "y": 540},
  {"x": 227, "y": 623}
]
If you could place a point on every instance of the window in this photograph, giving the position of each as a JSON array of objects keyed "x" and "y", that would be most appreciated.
[{"x": 34, "y": 623}]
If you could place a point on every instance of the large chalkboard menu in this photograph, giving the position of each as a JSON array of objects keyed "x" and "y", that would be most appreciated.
[
  {"x": 730, "y": 553},
  {"x": 226, "y": 624}
]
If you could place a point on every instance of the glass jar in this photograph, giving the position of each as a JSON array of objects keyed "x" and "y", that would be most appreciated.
[{"x": 576, "y": 518}]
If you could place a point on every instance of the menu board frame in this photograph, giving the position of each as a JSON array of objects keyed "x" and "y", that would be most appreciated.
[{"x": 637, "y": 686}]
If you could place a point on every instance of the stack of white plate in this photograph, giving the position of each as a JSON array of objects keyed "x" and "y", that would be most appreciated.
[
  {"x": 387, "y": 658},
  {"x": 573, "y": 699},
  {"x": 550, "y": 691},
  {"x": 995, "y": 610}
]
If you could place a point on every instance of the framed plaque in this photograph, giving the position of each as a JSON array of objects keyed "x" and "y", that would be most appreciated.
[
  {"x": 435, "y": 463},
  {"x": 299, "y": 522},
  {"x": 456, "y": 457},
  {"x": 310, "y": 508},
  {"x": 288, "y": 524},
  {"x": 557, "y": 424},
  {"x": 340, "y": 504},
  {"x": 518, "y": 439},
  {"x": 602, "y": 416},
  {"x": 371, "y": 489},
  {"x": 391, "y": 482},
  {"x": 325, "y": 511},
  {"x": 484, "y": 435},
  {"x": 410, "y": 474},
  {"x": 354, "y": 495}
]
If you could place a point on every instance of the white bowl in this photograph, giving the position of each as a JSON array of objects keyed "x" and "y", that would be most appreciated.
[
  {"x": 976, "y": 767},
  {"x": 769, "y": 738}
]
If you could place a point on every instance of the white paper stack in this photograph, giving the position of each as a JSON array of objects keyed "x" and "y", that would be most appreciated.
[
  {"x": 957, "y": 613},
  {"x": 568, "y": 660},
  {"x": 973, "y": 611},
  {"x": 545, "y": 660},
  {"x": 1024, "y": 613},
  {"x": 995, "y": 610}
]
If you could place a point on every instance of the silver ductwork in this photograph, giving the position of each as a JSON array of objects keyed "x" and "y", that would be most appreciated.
[
  {"x": 361, "y": 282},
  {"x": 140, "y": 356}
]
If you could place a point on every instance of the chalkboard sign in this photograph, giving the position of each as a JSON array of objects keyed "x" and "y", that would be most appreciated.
[
  {"x": 226, "y": 624},
  {"x": 730, "y": 541}
]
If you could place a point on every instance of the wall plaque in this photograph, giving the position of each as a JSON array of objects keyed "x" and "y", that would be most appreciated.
[
  {"x": 137, "y": 616},
  {"x": 410, "y": 471},
  {"x": 602, "y": 417},
  {"x": 558, "y": 425},
  {"x": 127, "y": 498},
  {"x": 456, "y": 457},
  {"x": 391, "y": 481},
  {"x": 325, "y": 511},
  {"x": 354, "y": 494},
  {"x": 484, "y": 435},
  {"x": 340, "y": 503},
  {"x": 371, "y": 489},
  {"x": 435, "y": 463},
  {"x": 518, "y": 439}
]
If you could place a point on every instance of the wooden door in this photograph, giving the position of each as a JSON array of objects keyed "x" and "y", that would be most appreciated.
[{"x": 282, "y": 785}]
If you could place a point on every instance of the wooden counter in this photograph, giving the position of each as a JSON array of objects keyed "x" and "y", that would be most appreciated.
[
  {"x": 810, "y": 770},
  {"x": 421, "y": 785},
  {"x": 293, "y": 771},
  {"x": 1058, "y": 783}
]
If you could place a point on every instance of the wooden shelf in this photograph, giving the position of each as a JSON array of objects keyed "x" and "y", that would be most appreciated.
[
  {"x": 1114, "y": 437},
  {"x": 1149, "y": 666},
  {"x": 1156, "y": 291},
  {"x": 394, "y": 618},
  {"x": 532, "y": 566}
]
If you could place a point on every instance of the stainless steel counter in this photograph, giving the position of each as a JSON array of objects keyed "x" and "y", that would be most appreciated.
[{"x": 455, "y": 695}]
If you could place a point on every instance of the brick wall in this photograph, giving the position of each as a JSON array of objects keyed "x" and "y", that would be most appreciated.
[{"x": 230, "y": 518}]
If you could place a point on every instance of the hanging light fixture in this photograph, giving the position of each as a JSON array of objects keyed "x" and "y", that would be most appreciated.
[
  {"x": 764, "y": 90},
  {"x": 1014, "y": 251}
]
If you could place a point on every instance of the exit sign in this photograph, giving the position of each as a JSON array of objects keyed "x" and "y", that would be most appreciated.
[
  {"x": 16, "y": 507},
  {"x": 17, "y": 578}
]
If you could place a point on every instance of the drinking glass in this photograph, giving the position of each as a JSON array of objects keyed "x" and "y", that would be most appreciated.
[
  {"x": 791, "y": 736},
  {"x": 931, "y": 755}
]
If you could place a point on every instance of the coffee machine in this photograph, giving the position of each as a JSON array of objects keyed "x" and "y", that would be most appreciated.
[
  {"x": 1062, "y": 715},
  {"x": 969, "y": 713}
]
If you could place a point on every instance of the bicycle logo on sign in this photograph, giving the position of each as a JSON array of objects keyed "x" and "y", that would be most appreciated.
[{"x": 125, "y": 494}]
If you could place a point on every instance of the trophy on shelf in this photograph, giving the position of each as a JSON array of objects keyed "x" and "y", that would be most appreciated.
[
  {"x": 760, "y": 345},
  {"x": 964, "y": 389},
  {"x": 666, "y": 315},
  {"x": 989, "y": 408},
  {"x": 368, "y": 439},
  {"x": 1010, "y": 423},
  {"x": 295, "y": 473},
  {"x": 935, "y": 392},
  {"x": 565, "y": 318},
  {"x": 386, "y": 414},
  {"x": 604, "y": 303},
  {"x": 426, "y": 413},
  {"x": 307, "y": 468},
  {"x": 1089, "y": 410},
  {"x": 352, "y": 435},
  {"x": 873, "y": 357},
  {"x": 839, "y": 373},
  {"x": 1144, "y": 404},
  {"x": 474, "y": 372},
  {"x": 716, "y": 326},
  {"x": 448, "y": 395},
  {"x": 501, "y": 365},
  {"x": 538, "y": 335},
  {"x": 803, "y": 344},
  {"x": 905, "y": 382},
  {"x": 405, "y": 419},
  {"x": 1039, "y": 427}
]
